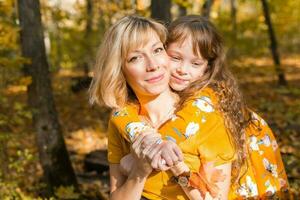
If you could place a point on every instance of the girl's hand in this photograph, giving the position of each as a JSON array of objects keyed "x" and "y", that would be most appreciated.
[
  {"x": 167, "y": 151},
  {"x": 141, "y": 145}
]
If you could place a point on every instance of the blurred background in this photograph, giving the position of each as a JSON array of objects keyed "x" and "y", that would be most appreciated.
[{"x": 52, "y": 141}]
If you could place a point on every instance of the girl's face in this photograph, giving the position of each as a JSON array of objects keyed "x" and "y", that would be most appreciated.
[
  {"x": 146, "y": 68},
  {"x": 185, "y": 66}
]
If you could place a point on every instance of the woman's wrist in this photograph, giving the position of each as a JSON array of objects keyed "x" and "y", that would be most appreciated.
[{"x": 139, "y": 173}]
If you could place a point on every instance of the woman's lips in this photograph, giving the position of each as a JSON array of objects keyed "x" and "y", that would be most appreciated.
[
  {"x": 155, "y": 79},
  {"x": 179, "y": 80}
]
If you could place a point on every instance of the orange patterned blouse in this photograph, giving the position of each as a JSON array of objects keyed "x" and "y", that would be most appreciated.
[{"x": 199, "y": 130}]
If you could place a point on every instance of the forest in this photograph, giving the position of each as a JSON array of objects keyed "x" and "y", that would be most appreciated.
[{"x": 53, "y": 141}]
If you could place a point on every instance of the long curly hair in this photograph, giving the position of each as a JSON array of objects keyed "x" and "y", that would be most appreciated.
[{"x": 207, "y": 41}]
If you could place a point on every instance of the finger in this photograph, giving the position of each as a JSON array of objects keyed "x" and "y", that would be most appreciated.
[
  {"x": 153, "y": 151},
  {"x": 148, "y": 150},
  {"x": 137, "y": 141},
  {"x": 150, "y": 139},
  {"x": 174, "y": 157},
  {"x": 155, "y": 160},
  {"x": 162, "y": 166},
  {"x": 154, "y": 143},
  {"x": 165, "y": 155},
  {"x": 178, "y": 153}
]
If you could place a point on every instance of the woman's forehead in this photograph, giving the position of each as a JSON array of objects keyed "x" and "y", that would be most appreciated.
[{"x": 140, "y": 40}]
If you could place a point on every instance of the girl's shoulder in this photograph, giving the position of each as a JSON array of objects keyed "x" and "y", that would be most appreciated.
[
  {"x": 205, "y": 100},
  {"x": 206, "y": 93},
  {"x": 127, "y": 121}
]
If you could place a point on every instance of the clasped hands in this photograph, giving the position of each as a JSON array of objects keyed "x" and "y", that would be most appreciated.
[{"x": 149, "y": 151}]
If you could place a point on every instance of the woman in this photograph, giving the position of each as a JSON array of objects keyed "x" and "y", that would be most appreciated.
[{"x": 132, "y": 69}]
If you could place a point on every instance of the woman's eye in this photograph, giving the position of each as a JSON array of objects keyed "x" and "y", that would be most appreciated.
[
  {"x": 159, "y": 49},
  {"x": 133, "y": 59}
]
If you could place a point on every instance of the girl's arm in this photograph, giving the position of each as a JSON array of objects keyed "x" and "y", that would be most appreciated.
[{"x": 216, "y": 185}]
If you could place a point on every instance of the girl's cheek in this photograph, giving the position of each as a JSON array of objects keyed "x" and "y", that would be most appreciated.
[{"x": 173, "y": 66}]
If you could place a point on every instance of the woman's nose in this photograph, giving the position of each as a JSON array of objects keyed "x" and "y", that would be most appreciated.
[{"x": 152, "y": 64}]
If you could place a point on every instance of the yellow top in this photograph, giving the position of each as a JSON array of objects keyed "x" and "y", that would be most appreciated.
[{"x": 198, "y": 128}]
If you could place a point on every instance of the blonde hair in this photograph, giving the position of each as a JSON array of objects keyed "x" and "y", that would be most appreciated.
[
  {"x": 208, "y": 43},
  {"x": 109, "y": 87}
]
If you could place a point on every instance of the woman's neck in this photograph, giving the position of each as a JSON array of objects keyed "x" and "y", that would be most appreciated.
[{"x": 159, "y": 108}]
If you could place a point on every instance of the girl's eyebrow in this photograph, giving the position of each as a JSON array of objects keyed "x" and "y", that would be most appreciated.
[{"x": 173, "y": 51}]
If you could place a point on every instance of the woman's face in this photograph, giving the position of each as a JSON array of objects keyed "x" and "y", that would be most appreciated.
[
  {"x": 146, "y": 68},
  {"x": 185, "y": 66}
]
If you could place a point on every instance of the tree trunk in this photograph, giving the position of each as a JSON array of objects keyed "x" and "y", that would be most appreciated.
[
  {"x": 206, "y": 8},
  {"x": 88, "y": 30},
  {"x": 58, "y": 36},
  {"x": 53, "y": 154},
  {"x": 161, "y": 10},
  {"x": 273, "y": 46}
]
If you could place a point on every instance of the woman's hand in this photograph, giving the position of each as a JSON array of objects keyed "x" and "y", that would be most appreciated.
[{"x": 126, "y": 164}]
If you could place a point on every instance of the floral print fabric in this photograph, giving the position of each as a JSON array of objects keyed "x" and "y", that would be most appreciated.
[{"x": 199, "y": 131}]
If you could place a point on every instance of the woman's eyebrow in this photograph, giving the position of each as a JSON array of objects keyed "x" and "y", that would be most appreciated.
[{"x": 159, "y": 42}]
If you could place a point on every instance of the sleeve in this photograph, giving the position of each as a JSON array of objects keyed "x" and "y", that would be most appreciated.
[
  {"x": 128, "y": 123},
  {"x": 117, "y": 146},
  {"x": 214, "y": 141}
]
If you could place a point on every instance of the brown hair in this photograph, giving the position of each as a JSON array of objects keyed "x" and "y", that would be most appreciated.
[
  {"x": 109, "y": 87},
  {"x": 207, "y": 42}
]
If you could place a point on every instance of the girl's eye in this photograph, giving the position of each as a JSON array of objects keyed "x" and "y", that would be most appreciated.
[
  {"x": 175, "y": 58},
  {"x": 158, "y": 50},
  {"x": 198, "y": 64}
]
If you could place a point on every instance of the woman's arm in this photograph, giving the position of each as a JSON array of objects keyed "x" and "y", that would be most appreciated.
[
  {"x": 130, "y": 187},
  {"x": 124, "y": 188}
]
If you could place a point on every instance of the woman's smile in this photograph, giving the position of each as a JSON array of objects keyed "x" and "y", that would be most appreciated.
[{"x": 155, "y": 79}]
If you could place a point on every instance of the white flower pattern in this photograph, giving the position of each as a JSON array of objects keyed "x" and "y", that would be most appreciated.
[
  {"x": 134, "y": 128},
  {"x": 191, "y": 129},
  {"x": 270, "y": 188},
  {"x": 204, "y": 104},
  {"x": 253, "y": 143},
  {"x": 270, "y": 167},
  {"x": 248, "y": 189}
]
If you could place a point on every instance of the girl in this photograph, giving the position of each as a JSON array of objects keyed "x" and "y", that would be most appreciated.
[{"x": 199, "y": 73}]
